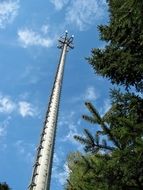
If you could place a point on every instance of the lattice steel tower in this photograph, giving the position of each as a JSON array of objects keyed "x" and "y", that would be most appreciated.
[{"x": 41, "y": 175}]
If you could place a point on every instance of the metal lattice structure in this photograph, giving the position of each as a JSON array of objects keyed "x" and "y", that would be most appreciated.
[{"x": 41, "y": 175}]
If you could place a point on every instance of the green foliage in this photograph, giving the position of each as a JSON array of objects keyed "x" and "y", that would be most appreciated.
[
  {"x": 4, "y": 186},
  {"x": 114, "y": 158},
  {"x": 83, "y": 171},
  {"x": 121, "y": 60},
  {"x": 100, "y": 172}
]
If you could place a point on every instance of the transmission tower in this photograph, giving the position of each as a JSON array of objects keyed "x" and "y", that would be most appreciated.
[{"x": 41, "y": 175}]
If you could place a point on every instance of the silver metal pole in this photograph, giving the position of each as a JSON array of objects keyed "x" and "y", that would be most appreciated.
[{"x": 41, "y": 176}]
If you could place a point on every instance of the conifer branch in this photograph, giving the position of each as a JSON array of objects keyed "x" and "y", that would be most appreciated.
[
  {"x": 100, "y": 121},
  {"x": 92, "y": 144},
  {"x": 94, "y": 112},
  {"x": 88, "y": 118}
]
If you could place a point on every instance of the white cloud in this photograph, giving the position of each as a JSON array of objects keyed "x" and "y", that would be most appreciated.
[
  {"x": 32, "y": 74},
  {"x": 91, "y": 93},
  {"x": 26, "y": 109},
  {"x": 71, "y": 132},
  {"x": 59, "y": 4},
  {"x": 19, "y": 146},
  {"x": 65, "y": 120},
  {"x": 83, "y": 13},
  {"x": 6, "y": 104},
  {"x": 72, "y": 125},
  {"x": 8, "y": 12},
  {"x": 56, "y": 159},
  {"x": 106, "y": 106},
  {"x": 28, "y": 37},
  {"x": 63, "y": 175},
  {"x": 45, "y": 29},
  {"x": 3, "y": 126},
  {"x": 60, "y": 170},
  {"x": 25, "y": 150}
]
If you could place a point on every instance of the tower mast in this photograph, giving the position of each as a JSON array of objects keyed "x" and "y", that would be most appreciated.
[{"x": 42, "y": 168}]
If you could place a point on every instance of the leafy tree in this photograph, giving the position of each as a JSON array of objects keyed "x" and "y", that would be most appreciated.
[
  {"x": 4, "y": 186},
  {"x": 121, "y": 59}
]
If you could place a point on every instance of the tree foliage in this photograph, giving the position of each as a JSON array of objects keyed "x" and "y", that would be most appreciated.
[
  {"x": 113, "y": 158},
  {"x": 84, "y": 170},
  {"x": 4, "y": 186},
  {"x": 121, "y": 60}
]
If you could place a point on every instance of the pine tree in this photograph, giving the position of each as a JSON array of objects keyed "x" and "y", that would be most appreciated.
[
  {"x": 121, "y": 59},
  {"x": 4, "y": 186},
  {"x": 113, "y": 158}
]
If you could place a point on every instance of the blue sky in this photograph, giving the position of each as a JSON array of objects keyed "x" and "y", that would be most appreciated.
[{"x": 29, "y": 30}]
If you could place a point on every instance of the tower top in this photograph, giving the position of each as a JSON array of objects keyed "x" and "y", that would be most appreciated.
[{"x": 65, "y": 39}]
